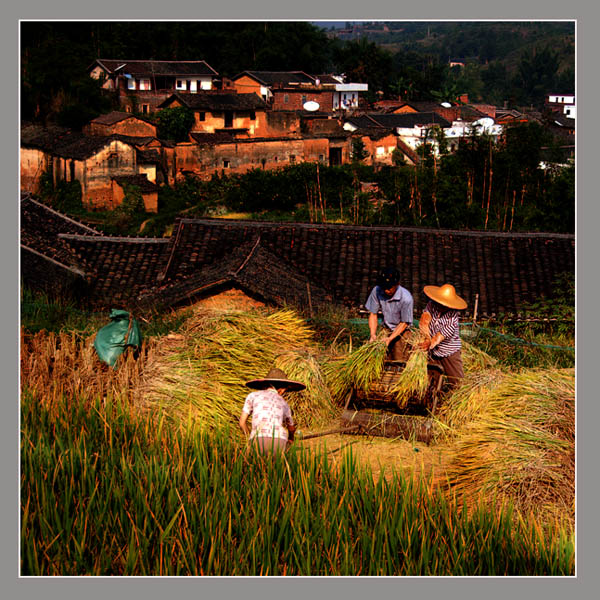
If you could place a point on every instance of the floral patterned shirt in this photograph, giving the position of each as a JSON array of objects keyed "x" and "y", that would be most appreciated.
[{"x": 269, "y": 413}]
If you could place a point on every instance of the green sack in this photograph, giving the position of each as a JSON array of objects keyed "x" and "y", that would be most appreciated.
[{"x": 111, "y": 340}]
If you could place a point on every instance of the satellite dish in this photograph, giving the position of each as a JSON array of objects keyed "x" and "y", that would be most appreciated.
[
  {"x": 446, "y": 105},
  {"x": 311, "y": 105}
]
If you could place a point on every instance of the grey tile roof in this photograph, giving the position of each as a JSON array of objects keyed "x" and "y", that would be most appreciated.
[
  {"x": 156, "y": 67},
  {"x": 278, "y": 77},
  {"x": 217, "y": 101},
  {"x": 504, "y": 271}
]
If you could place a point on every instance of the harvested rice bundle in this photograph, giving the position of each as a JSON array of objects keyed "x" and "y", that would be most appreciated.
[
  {"x": 316, "y": 399},
  {"x": 358, "y": 370},
  {"x": 204, "y": 377},
  {"x": 475, "y": 359},
  {"x": 414, "y": 379},
  {"x": 467, "y": 400},
  {"x": 519, "y": 443}
]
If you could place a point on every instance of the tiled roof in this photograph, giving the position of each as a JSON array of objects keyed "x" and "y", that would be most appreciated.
[
  {"x": 156, "y": 67},
  {"x": 285, "y": 260},
  {"x": 251, "y": 267},
  {"x": 68, "y": 144},
  {"x": 409, "y": 120},
  {"x": 217, "y": 102},
  {"x": 278, "y": 77},
  {"x": 40, "y": 227},
  {"x": 140, "y": 181},
  {"x": 116, "y": 116}
]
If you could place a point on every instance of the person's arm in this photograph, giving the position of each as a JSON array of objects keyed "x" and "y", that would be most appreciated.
[
  {"x": 373, "y": 326},
  {"x": 373, "y": 306},
  {"x": 243, "y": 423},
  {"x": 424, "y": 323},
  {"x": 398, "y": 331}
]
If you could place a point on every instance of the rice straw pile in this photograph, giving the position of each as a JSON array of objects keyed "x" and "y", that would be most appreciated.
[
  {"x": 203, "y": 377},
  {"x": 515, "y": 439},
  {"x": 414, "y": 378},
  {"x": 475, "y": 359},
  {"x": 357, "y": 370}
]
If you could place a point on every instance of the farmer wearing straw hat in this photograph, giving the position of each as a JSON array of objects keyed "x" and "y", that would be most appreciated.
[
  {"x": 396, "y": 306},
  {"x": 272, "y": 424},
  {"x": 439, "y": 325}
]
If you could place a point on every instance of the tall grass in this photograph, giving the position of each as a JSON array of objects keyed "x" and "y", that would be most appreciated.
[{"x": 108, "y": 491}]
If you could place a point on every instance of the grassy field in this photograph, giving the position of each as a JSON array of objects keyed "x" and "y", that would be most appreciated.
[
  {"x": 106, "y": 490},
  {"x": 119, "y": 478}
]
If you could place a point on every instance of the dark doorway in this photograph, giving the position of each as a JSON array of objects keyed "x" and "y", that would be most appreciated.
[
  {"x": 335, "y": 156},
  {"x": 228, "y": 118}
]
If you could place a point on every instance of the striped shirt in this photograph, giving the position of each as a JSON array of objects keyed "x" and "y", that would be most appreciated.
[{"x": 446, "y": 323}]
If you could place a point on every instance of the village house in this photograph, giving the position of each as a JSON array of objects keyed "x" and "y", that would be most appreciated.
[
  {"x": 416, "y": 128},
  {"x": 238, "y": 114},
  {"x": 295, "y": 90},
  {"x": 94, "y": 161},
  {"x": 207, "y": 154},
  {"x": 562, "y": 103},
  {"x": 143, "y": 84}
]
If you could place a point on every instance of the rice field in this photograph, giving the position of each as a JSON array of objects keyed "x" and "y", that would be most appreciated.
[
  {"x": 106, "y": 490},
  {"x": 142, "y": 470}
]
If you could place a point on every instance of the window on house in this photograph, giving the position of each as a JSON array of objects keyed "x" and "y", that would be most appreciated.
[
  {"x": 252, "y": 115},
  {"x": 380, "y": 151},
  {"x": 292, "y": 158},
  {"x": 113, "y": 160},
  {"x": 145, "y": 109},
  {"x": 228, "y": 118},
  {"x": 131, "y": 84},
  {"x": 286, "y": 98},
  {"x": 201, "y": 116},
  {"x": 145, "y": 84},
  {"x": 303, "y": 99},
  {"x": 226, "y": 163},
  {"x": 180, "y": 84}
]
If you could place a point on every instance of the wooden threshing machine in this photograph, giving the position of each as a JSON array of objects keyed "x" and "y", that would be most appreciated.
[{"x": 376, "y": 412}]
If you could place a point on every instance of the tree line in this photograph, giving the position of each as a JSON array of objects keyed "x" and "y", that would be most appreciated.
[{"x": 55, "y": 85}]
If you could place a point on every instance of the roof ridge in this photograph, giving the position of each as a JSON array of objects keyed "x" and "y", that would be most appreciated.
[
  {"x": 361, "y": 228},
  {"x": 62, "y": 215}
]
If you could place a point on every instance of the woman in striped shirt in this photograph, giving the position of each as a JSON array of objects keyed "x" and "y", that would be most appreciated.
[{"x": 439, "y": 325}]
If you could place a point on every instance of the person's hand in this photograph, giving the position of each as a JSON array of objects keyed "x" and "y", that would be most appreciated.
[
  {"x": 373, "y": 337},
  {"x": 425, "y": 344}
]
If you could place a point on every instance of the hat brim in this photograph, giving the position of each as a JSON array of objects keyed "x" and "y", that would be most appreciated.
[
  {"x": 433, "y": 292},
  {"x": 261, "y": 384}
]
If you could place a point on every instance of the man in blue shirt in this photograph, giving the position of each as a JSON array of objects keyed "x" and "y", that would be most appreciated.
[{"x": 396, "y": 306}]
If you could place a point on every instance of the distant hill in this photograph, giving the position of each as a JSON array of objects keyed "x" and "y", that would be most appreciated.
[{"x": 478, "y": 41}]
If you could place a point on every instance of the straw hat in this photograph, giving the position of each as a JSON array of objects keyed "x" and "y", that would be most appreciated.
[
  {"x": 445, "y": 295},
  {"x": 276, "y": 378}
]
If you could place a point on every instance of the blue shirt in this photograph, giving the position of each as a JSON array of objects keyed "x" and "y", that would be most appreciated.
[{"x": 397, "y": 309}]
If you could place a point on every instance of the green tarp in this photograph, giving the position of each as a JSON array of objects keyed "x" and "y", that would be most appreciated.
[{"x": 121, "y": 332}]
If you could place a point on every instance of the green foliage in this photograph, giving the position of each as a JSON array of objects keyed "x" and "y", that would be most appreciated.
[
  {"x": 137, "y": 498},
  {"x": 65, "y": 196},
  {"x": 359, "y": 152},
  {"x": 174, "y": 123}
]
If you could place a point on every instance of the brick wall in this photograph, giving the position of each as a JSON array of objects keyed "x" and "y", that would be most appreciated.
[{"x": 295, "y": 99}]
